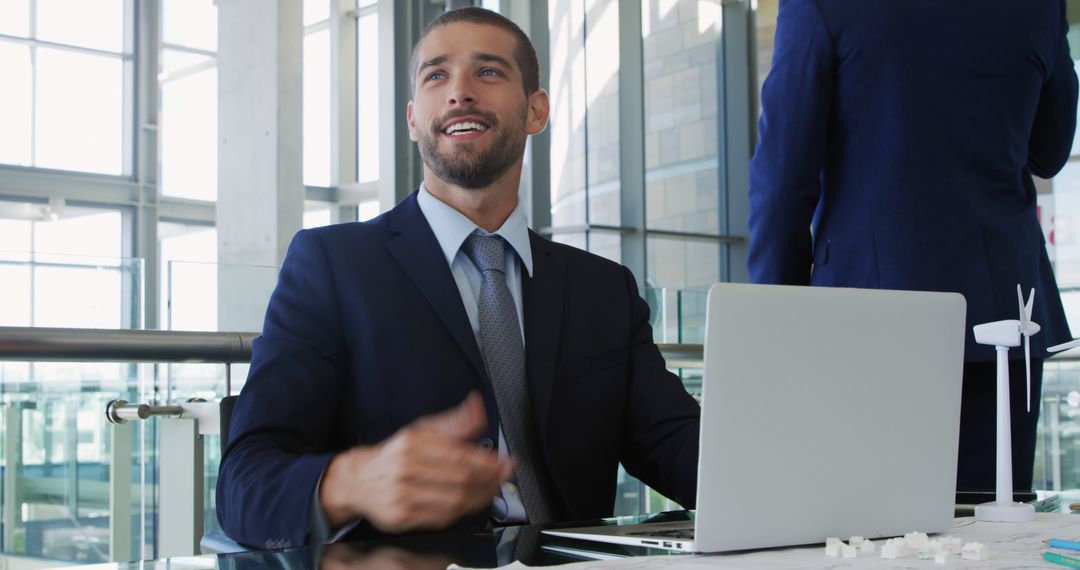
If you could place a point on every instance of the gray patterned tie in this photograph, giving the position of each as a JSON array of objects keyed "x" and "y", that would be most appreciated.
[{"x": 504, "y": 355}]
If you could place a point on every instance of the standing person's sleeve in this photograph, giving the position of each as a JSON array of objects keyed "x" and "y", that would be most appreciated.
[
  {"x": 785, "y": 173},
  {"x": 1055, "y": 119}
]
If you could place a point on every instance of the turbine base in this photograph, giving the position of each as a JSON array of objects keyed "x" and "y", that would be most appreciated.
[{"x": 1004, "y": 512}]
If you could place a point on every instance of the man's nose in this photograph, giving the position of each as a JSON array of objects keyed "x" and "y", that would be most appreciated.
[{"x": 461, "y": 92}]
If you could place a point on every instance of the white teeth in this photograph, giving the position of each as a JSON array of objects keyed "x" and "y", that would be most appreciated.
[{"x": 464, "y": 126}]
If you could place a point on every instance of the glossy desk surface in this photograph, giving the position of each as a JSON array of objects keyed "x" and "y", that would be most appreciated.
[{"x": 482, "y": 549}]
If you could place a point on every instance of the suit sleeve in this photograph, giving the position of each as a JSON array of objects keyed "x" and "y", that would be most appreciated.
[
  {"x": 662, "y": 419},
  {"x": 1055, "y": 118},
  {"x": 785, "y": 172},
  {"x": 280, "y": 427}
]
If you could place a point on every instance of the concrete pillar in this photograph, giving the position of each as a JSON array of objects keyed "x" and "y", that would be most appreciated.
[{"x": 260, "y": 184}]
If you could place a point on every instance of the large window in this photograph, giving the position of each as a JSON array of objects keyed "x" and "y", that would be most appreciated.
[
  {"x": 188, "y": 118},
  {"x": 317, "y": 98},
  {"x": 679, "y": 133},
  {"x": 367, "y": 91},
  {"x": 682, "y": 133},
  {"x": 67, "y": 69},
  {"x": 46, "y": 249}
]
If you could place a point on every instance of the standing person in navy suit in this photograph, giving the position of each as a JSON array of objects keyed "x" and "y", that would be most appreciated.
[
  {"x": 898, "y": 139},
  {"x": 373, "y": 402}
]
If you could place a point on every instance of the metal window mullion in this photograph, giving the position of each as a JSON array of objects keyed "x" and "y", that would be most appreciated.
[
  {"x": 357, "y": 13},
  {"x": 400, "y": 169},
  {"x": 143, "y": 226},
  {"x": 632, "y": 140},
  {"x": 188, "y": 49},
  {"x": 187, "y": 71},
  {"x": 33, "y": 282},
  {"x": 66, "y": 47},
  {"x": 130, "y": 75},
  {"x": 33, "y": 104},
  {"x": 343, "y": 102},
  {"x": 585, "y": 121},
  {"x": 318, "y": 26},
  {"x": 33, "y": 83},
  {"x": 735, "y": 119},
  {"x": 540, "y": 187},
  {"x": 20, "y": 182}
]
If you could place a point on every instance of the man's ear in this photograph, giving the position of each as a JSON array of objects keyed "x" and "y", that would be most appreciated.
[
  {"x": 539, "y": 108},
  {"x": 412, "y": 122}
]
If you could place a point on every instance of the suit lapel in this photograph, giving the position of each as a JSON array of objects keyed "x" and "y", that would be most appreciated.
[
  {"x": 542, "y": 297},
  {"x": 417, "y": 252}
]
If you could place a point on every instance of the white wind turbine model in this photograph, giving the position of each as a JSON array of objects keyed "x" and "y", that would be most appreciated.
[{"x": 1003, "y": 335}]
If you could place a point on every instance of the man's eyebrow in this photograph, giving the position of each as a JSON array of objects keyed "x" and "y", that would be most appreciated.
[
  {"x": 431, "y": 63},
  {"x": 490, "y": 57}
]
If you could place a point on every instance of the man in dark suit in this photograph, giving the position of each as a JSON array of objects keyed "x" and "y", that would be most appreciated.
[
  {"x": 441, "y": 365},
  {"x": 898, "y": 139}
]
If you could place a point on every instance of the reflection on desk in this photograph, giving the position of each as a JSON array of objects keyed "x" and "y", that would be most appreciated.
[{"x": 1011, "y": 545}]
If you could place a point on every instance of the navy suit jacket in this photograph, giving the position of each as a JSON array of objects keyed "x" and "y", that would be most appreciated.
[
  {"x": 366, "y": 332},
  {"x": 905, "y": 133}
]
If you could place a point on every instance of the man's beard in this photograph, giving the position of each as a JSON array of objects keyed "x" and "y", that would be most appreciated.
[{"x": 469, "y": 169}]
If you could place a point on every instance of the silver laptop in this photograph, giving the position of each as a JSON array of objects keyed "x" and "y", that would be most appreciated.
[{"x": 825, "y": 412}]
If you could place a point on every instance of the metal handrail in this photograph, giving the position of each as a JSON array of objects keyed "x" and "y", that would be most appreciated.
[
  {"x": 109, "y": 345},
  {"x": 683, "y": 355}
]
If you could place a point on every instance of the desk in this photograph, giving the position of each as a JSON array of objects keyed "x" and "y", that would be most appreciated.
[{"x": 1015, "y": 545}]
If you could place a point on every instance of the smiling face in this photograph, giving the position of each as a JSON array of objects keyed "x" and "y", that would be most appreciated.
[{"x": 470, "y": 114}]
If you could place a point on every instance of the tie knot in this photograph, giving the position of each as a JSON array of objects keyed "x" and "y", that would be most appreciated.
[{"x": 485, "y": 251}]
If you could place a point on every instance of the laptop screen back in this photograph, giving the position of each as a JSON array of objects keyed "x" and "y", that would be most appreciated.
[{"x": 827, "y": 412}]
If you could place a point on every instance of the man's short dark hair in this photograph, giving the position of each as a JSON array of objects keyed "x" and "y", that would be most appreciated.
[{"x": 524, "y": 53}]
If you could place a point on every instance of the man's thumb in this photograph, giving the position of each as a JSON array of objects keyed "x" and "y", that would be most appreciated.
[{"x": 464, "y": 421}]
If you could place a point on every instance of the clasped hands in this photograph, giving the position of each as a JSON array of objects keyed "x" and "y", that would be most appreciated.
[{"x": 426, "y": 476}]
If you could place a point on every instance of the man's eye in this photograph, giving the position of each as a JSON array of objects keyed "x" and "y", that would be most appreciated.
[
  {"x": 435, "y": 75},
  {"x": 489, "y": 72}
]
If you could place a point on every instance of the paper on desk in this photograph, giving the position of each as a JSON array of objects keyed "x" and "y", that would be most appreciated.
[
  {"x": 512, "y": 566},
  {"x": 1011, "y": 545}
]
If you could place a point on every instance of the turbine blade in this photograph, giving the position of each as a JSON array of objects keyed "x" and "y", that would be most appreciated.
[
  {"x": 1030, "y": 303},
  {"x": 1020, "y": 304},
  {"x": 1064, "y": 345}
]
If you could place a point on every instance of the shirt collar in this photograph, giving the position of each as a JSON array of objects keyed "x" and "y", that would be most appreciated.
[{"x": 451, "y": 227}]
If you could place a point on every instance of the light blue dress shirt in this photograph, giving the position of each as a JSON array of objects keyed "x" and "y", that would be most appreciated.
[{"x": 451, "y": 227}]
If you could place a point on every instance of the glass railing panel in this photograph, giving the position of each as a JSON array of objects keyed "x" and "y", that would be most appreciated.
[
  {"x": 213, "y": 297},
  {"x": 217, "y": 297},
  {"x": 1057, "y": 445},
  {"x": 56, "y": 450},
  {"x": 58, "y": 460},
  {"x": 204, "y": 381}
]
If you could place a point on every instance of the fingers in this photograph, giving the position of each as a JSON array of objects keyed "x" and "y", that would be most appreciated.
[
  {"x": 413, "y": 485},
  {"x": 427, "y": 475},
  {"x": 463, "y": 422},
  {"x": 436, "y": 460}
]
